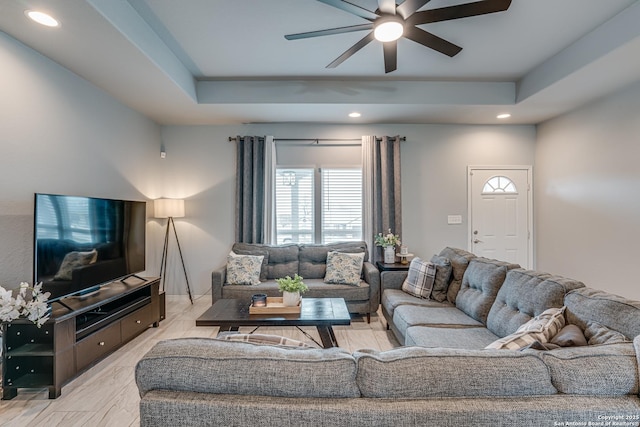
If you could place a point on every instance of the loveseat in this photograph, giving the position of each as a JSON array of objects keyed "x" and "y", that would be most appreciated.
[{"x": 308, "y": 261}]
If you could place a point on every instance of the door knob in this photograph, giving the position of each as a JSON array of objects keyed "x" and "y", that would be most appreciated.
[{"x": 477, "y": 241}]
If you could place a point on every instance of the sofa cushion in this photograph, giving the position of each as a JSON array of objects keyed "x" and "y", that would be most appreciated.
[
  {"x": 392, "y": 298},
  {"x": 613, "y": 311},
  {"x": 602, "y": 370},
  {"x": 317, "y": 289},
  {"x": 480, "y": 285},
  {"x": 412, "y": 315},
  {"x": 420, "y": 277},
  {"x": 459, "y": 259},
  {"x": 206, "y": 365},
  {"x": 443, "y": 275},
  {"x": 344, "y": 268},
  {"x": 415, "y": 373},
  {"x": 313, "y": 257},
  {"x": 539, "y": 329},
  {"x": 524, "y": 295},
  {"x": 461, "y": 337},
  {"x": 595, "y": 334},
  {"x": 282, "y": 260},
  {"x": 243, "y": 269}
]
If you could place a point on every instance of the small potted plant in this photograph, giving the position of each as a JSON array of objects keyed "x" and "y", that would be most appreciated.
[
  {"x": 388, "y": 242},
  {"x": 291, "y": 289}
]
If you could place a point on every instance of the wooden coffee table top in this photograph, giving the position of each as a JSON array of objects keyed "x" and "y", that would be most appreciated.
[{"x": 313, "y": 312}]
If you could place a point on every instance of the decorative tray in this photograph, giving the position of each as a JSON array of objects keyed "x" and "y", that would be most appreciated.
[{"x": 274, "y": 306}]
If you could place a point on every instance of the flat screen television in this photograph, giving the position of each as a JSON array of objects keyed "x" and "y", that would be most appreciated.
[{"x": 81, "y": 243}]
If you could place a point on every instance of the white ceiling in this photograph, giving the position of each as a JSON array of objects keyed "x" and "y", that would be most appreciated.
[{"x": 227, "y": 61}]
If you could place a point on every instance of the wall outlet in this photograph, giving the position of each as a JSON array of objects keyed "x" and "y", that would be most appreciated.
[{"x": 454, "y": 219}]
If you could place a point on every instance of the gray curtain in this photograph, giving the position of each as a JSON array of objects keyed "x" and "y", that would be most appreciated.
[
  {"x": 382, "y": 192},
  {"x": 250, "y": 154}
]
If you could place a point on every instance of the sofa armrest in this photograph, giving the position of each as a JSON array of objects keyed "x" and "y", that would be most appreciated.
[
  {"x": 218, "y": 277},
  {"x": 392, "y": 280},
  {"x": 372, "y": 277}
]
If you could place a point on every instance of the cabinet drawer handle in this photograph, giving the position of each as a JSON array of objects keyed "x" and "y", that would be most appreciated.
[
  {"x": 138, "y": 321},
  {"x": 101, "y": 343}
]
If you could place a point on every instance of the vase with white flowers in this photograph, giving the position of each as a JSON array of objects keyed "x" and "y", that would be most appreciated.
[
  {"x": 388, "y": 242},
  {"x": 30, "y": 302}
]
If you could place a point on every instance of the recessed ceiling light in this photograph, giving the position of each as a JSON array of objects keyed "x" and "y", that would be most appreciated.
[
  {"x": 503, "y": 116},
  {"x": 42, "y": 18},
  {"x": 354, "y": 114}
]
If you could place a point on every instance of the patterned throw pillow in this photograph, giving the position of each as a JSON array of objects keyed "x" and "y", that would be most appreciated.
[
  {"x": 262, "y": 339},
  {"x": 541, "y": 328},
  {"x": 344, "y": 268},
  {"x": 243, "y": 269},
  {"x": 420, "y": 278},
  {"x": 74, "y": 260}
]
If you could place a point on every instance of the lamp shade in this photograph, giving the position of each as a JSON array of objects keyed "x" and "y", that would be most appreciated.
[{"x": 168, "y": 208}]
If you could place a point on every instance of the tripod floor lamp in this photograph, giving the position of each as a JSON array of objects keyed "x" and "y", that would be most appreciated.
[{"x": 170, "y": 208}]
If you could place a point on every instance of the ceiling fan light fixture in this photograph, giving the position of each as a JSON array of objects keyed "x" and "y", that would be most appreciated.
[{"x": 388, "y": 28}]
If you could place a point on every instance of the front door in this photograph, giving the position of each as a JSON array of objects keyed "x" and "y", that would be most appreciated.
[{"x": 500, "y": 213}]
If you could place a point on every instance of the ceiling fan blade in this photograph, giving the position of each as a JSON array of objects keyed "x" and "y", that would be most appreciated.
[
  {"x": 432, "y": 41},
  {"x": 409, "y": 7},
  {"x": 353, "y": 49},
  {"x": 351, "y": 8},
  {"x": 331, "y": 31},
  {"x": 459, "y": 11},
  {"x": 390, "y": 50},
  {"x": 387, "y": 6}
]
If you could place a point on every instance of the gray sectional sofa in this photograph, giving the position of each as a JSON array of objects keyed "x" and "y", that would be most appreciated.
[
  {"x": 442, "y": 376},
  {"x": 309, "y": 261}
]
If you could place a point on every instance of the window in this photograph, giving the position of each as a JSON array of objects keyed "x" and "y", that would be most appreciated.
[
  {"x": 321, "y": 205},
  {"x": 499, "y": 184}
]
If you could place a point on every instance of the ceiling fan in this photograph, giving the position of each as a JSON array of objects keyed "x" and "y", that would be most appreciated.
[{"x": 392, "y": 21}]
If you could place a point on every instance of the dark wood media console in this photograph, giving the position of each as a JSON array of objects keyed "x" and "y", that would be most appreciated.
[{"x": 79, "y": 333}]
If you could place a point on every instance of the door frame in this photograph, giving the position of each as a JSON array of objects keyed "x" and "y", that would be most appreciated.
[{"x": 531, "y": 235}]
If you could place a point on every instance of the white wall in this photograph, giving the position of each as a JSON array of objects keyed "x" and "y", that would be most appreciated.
[
  {"x": 60, "y": 134},
  {"x": 200, "y": 166},
  {"x": 587, "y": 194}
]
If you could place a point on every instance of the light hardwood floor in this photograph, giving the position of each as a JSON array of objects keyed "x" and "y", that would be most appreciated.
[{"x": 106, "y": 394}]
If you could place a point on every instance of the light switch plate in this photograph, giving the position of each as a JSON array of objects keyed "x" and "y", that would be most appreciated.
[{"x": 454, "y": 219}]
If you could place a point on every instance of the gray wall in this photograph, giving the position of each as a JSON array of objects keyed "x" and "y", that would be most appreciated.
[
  {"x": 200, "y": 167},
  {"x": 60, "y": 134},
  {"x": 587, "y": 189}
]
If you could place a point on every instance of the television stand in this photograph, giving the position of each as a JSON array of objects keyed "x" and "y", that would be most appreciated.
[{"x": 80, "y": 332}]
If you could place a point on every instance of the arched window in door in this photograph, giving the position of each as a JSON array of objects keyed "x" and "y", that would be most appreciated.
[{"x": 499, "y": 185}]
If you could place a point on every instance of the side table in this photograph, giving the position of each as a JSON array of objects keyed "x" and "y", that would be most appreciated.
[
  {"x": 389, "y": 269},
  {"x": 396, "y": 266}
]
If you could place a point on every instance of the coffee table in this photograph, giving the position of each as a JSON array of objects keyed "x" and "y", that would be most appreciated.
[{"x": 323, "y": 313}]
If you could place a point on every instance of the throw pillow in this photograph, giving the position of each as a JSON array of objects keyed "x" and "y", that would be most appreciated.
[
  {"x": 344, "y": 268},
  {"x": 256, "y": 252},
  {"x": 420, "y": 278},
  {"x": 74, "y": 260},
  {"x": 441, "y": 282},
  {"x": 595, "y": 333},
  {"x": 262, "y": 339},
  {"x": 569, "y": 336},
  {"x": 541, "y": 328},
  {"x": 243, "y": 269}
]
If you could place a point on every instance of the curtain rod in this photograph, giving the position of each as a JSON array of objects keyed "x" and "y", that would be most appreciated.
[{"x": 317, "y": 140}]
